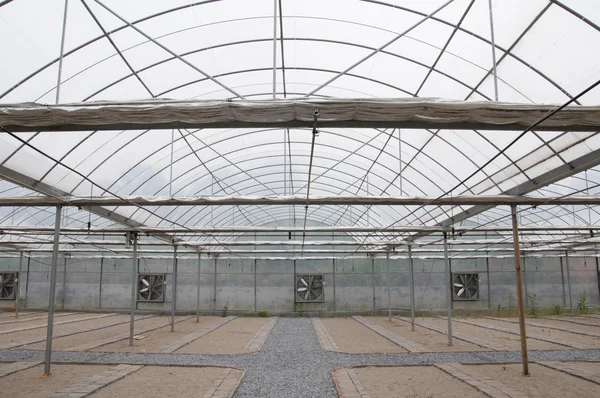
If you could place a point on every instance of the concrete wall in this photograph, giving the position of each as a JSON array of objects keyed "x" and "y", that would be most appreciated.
[{"x": 360, "y": 285}]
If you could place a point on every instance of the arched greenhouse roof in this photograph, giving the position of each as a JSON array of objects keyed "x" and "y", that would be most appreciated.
[{"x": 507, "y": 51}]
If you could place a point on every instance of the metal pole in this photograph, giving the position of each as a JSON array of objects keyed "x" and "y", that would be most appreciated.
[
  {"x": 373, "y": 280},
  {"x": 174, "y": 291},
  {"x": 513, "y": 209},
  {"x": 487, "y": 269},
  {"x": 255, "y": 306},
  {"x": 198, "y": 290},
  {"x": 493, "y": 51},
  {"x": 62, "y": 51},
  {"x": 100, "y": 288},
  {"x": 294, "y": 287},
  {"x": 412, "y": 288},
  {"x": 562, "y": 278},
  {"x": 52, "y": 292},
  {"x": 134, "y": 283},
  {"x": 389, "y": 292},
  {"x": 18, "y": 281},
  {"x": 64, "y": 287},
  {"x": 448, "y": 288},
  {"x": 215, "y": 288},
  {"x": 569, "y": 282},
  {"x": 334, "y": 307},
  {"x": 27, "y": 281},
  {"x": 275, "y": 49},
  {"x": 525, "y": 279}
]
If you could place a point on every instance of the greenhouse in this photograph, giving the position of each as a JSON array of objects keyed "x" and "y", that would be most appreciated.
[{"x": 312, "y": 178}]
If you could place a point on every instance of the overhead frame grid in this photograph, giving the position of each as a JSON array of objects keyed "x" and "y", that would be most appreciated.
[{"x": 398, "y": 239}]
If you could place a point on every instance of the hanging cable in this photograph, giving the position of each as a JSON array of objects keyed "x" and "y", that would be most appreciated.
[{"x": 315, "y": 133}]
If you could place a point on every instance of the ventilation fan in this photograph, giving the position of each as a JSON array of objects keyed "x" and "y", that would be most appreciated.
[
  {"x": 309, "y": 289},
  {"x": 151, "y": 288},
  {"x": 465, "y": 286},
  {"x": 8, "y": 284}
]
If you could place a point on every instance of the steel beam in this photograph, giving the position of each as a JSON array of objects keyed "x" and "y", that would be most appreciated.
[
  {"x": 523, "y": 333},
  {"x": 294, "y": 200},
  {"x": 134, "y": 287},
  {"x": 174, "y": 291},
  {"x": 448, "y": 288},
  {"x": 54, "y": 266},
  {"x": 198, "y": 289},
  {"x": 412, "y": 288}
]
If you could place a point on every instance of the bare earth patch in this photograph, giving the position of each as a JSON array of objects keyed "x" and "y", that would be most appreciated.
[
  {"x": 350, "y": 336},
  {"x": 64, "y": 343},
  {"x": 413, "y": 381},
  {"x": 230, "y": 338},
  {"x": 164, "y": 381},
  {"x": 593, "y": 342},
  {"x": 434, "y": 341},
  {"x": 542, "y": 383},
  {"x": 28, "y": 383},
  {"x": 30, "y": 321},
  {"x": 156, "y": 338},
  {"x": 510, "y": 340}
]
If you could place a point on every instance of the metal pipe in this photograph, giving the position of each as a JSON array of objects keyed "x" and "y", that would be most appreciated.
[
  {"x": 522, "y": 330},
  {"x": 525, "y": 280},
  {"x": 198, "y": 289},
  {"x": 134, "y": 286},
  {"x": 255, "y": 298},
  {"x": 569, "y": 282},
  {"x": 412, "y": 288},
  {"x": 64, "y": 287},
  {"x": 562, "y": 278},
  {"x": 373, "y": 281},
  {"x": 275, "y": 51},
  {"x": 174, "y": 291},
  {"x": 18, "y": 282},
  {"x": 389, "y": 291},
  {"x": 333, "y": 266},
  {"x": 100, "y": 287},
  {"x": 48, "y": 355},
  {"x": 27, "y": 281},
  {"x": 448, "y": 288},
  {"x": 62, "y": 51},
  {"x": 215, "y": 288},
  {"x": 493, "y": 51},
  {"x": 487, "y": 270}
]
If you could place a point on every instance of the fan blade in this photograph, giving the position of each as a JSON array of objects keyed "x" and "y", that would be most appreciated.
[
  {"x": 145, "y": 282},
  {"x": 303, "y": 281},
  {"x": 302, "y": 289},
  {"x": 461, "y": 291},
  {"x": 306, "y": 295},
  {"x": 458, "y": 285},
  {"x": 144, "y": 290}
]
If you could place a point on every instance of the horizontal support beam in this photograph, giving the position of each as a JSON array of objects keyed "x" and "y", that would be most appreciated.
[
  {"x": 298, "y": 200},
  {"x": 26, "y": 229},
  {"x": 351, "y": 113}
]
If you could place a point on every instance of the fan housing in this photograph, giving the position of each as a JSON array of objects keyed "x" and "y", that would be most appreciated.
[
  {"x": 465, "y": 286},
  {"x": 309, "y": 289},
  {"x": 8, "y": 285},
  {"x": 151, "y": 288}
]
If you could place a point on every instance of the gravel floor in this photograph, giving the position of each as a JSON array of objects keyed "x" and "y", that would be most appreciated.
[{"x": 292, "y": 364}]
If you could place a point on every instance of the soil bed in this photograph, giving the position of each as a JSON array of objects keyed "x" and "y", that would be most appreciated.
[{"x": 353, "y": 337}]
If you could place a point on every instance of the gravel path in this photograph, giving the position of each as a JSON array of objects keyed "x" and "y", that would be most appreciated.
[{"x": 292, "y": 364}]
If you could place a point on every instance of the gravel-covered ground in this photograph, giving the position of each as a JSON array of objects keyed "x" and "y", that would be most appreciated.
[{"x": 292, "y": 364}]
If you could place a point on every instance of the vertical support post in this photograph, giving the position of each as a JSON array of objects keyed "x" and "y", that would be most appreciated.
[
  {"x": 389, "y": 289},
  {"x": 525, "y": 279},
  {"x": 64, "y": 287},
  {"x": 569, "y": 282},
  {"x": 171, "y": 167},
  {"x": 18, "y": 281},
  {"x": 562, "y": 278},
  {"x": 373, "y": 282},
  {"x": 493, "y": 51},
  {"x": 174, "y": 291},
  {"x": 489, "y": 283},
  {"x": 134, "y": 283},
  {"x": 215, "y": 287},
  {"x": 448, "y": 278},
  {"x": 100, "y": 288},
  {"x": 255, "y": 306},
  {"x": 274, "y": 48},
  {"x": 27, "y": 281},
  {"x": 198, "y": 289},
  {"x": 50, "y": 327},
  {"x": 412, "y": 288},
  {"x": 334, "y": 305},
  {"x": 62, "y": 51},
  {"x": 513, "y": 209}
]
